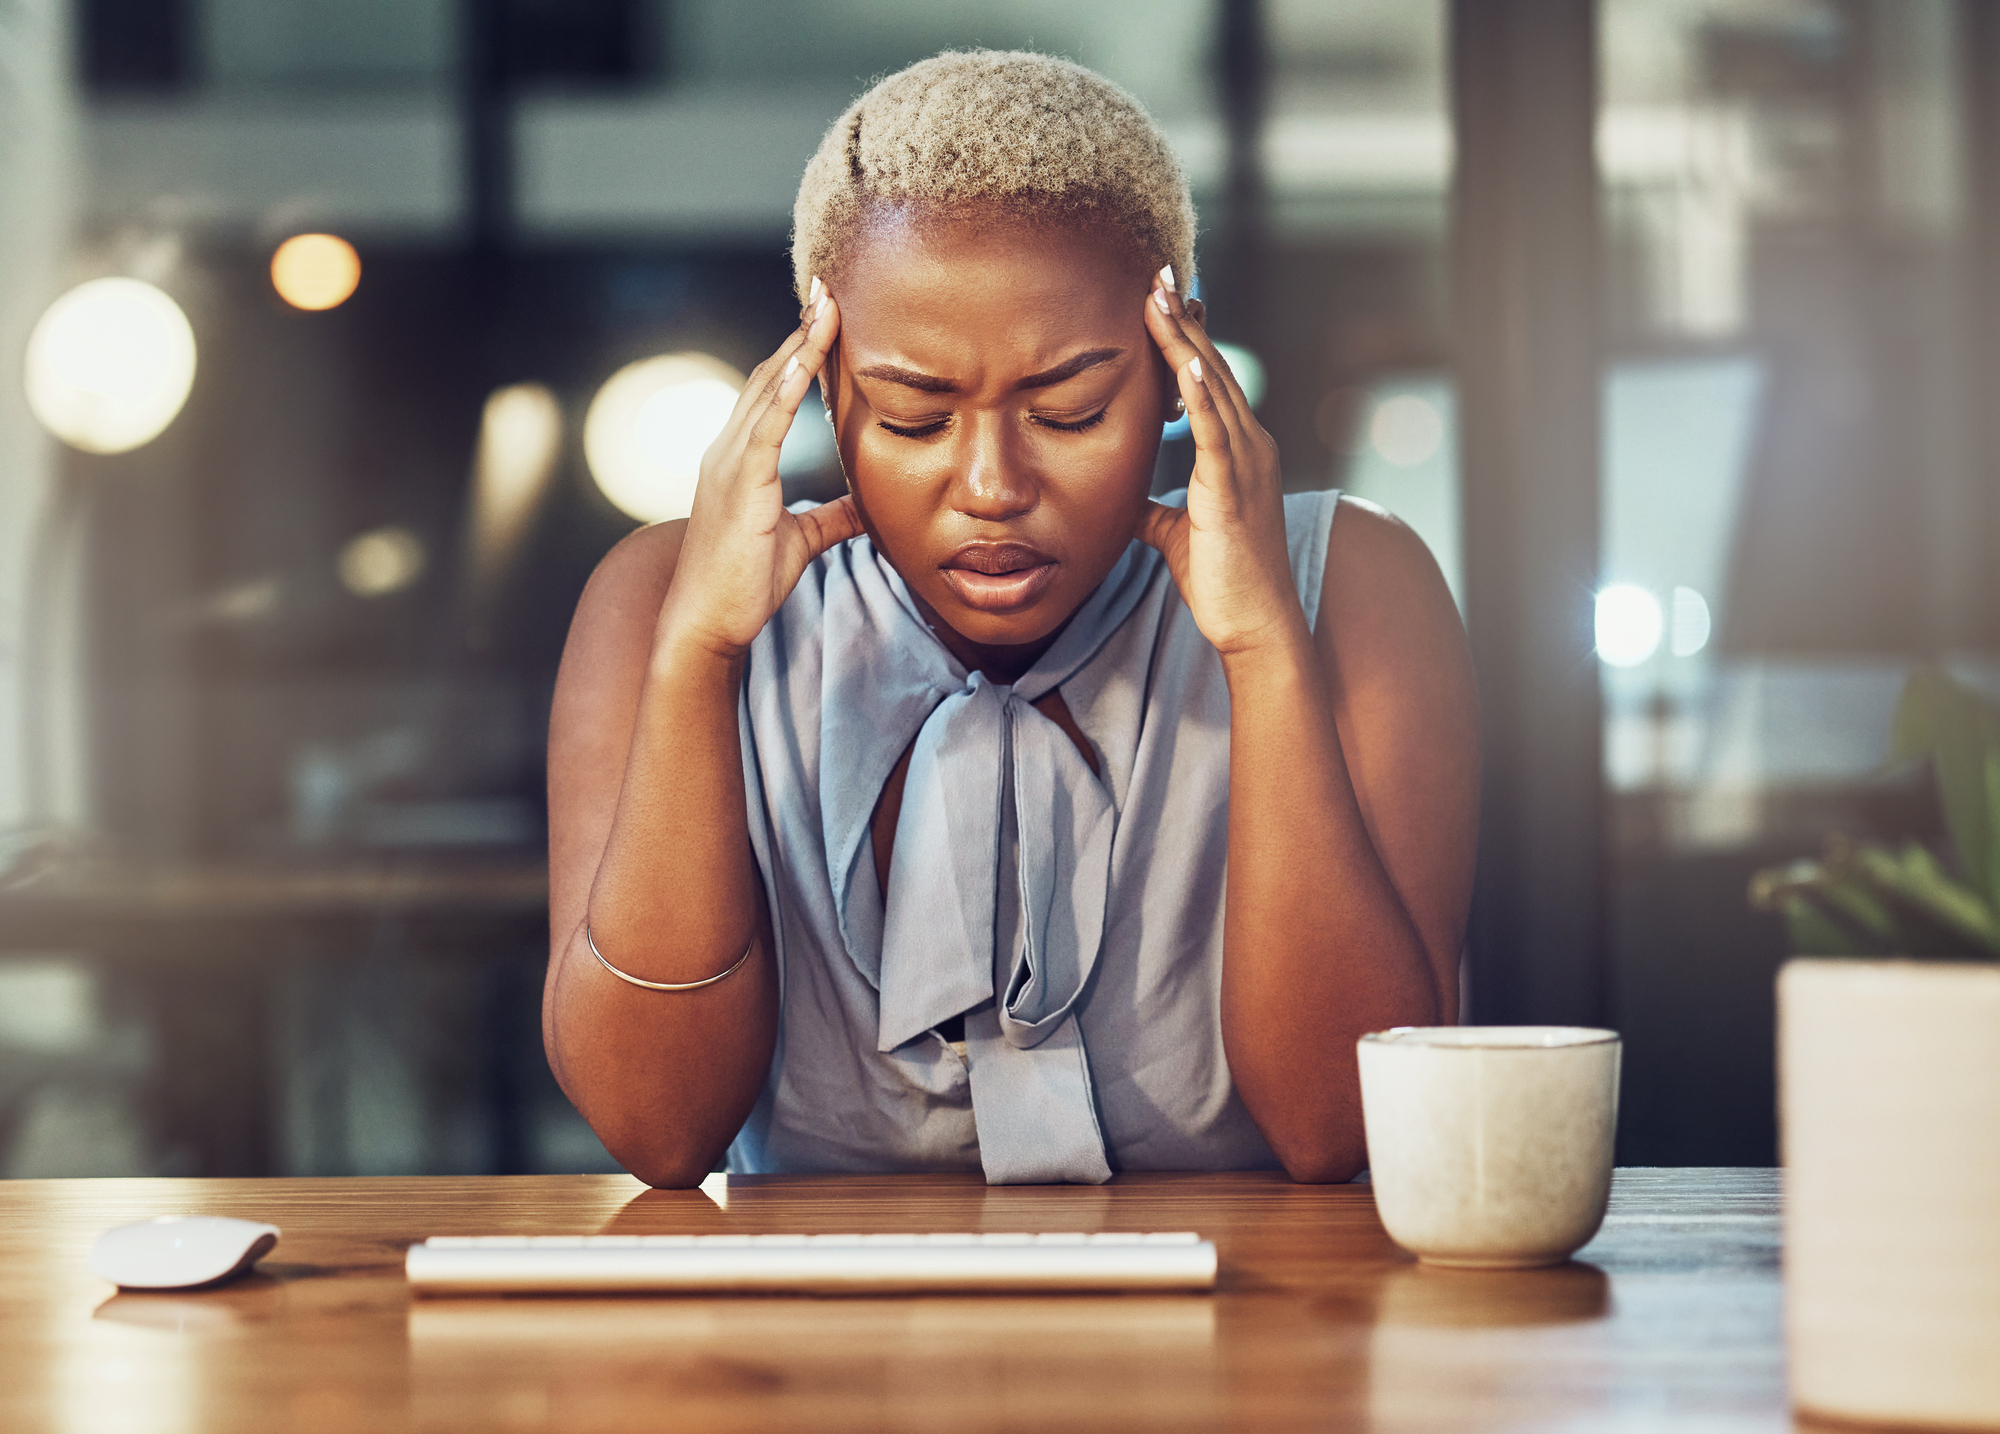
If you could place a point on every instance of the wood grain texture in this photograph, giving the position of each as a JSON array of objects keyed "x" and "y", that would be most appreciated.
[{"x": 1670, "y": 1319}]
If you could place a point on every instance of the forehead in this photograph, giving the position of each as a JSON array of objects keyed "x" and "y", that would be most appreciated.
[{"x": 977, "y": 292}]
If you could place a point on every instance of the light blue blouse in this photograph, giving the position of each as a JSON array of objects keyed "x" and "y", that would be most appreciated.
[{"x": 1074, "y": 918}]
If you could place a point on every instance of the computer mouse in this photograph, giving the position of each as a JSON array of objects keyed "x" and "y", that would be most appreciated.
[{"x": 177, "y": 1252}]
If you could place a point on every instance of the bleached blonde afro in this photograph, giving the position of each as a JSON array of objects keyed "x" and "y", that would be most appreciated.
[{"x": 1047, "y": 139}]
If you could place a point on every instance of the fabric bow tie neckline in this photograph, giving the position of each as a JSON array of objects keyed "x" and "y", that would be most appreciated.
[{"x": 998, "y": 885}]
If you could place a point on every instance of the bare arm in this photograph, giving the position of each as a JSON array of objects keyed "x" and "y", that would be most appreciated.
[
  {"x": 648, "y": 833},
  {"x": 1353, "y": 775}
]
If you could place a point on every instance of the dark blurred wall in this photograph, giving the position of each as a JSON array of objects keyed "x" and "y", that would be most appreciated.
[{"x": 612, "y": 180}]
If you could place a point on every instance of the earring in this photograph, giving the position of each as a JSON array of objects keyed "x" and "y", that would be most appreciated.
[{"x": 1180, "y": 408}]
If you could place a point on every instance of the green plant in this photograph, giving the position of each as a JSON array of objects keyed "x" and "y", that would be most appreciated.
[{"x": 1865, "y": 899}]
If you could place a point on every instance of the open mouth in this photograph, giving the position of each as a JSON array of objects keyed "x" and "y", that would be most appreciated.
[{"x": 999, "y": 577}]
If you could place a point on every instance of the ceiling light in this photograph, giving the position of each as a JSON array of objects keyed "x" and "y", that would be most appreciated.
[
  {"x": 648, "y": 427},
  {"x": 315, "y": 271},
  {"x": 110, "y": 365}
]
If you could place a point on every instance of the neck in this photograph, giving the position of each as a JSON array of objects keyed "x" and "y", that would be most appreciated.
[{"x": 1003, "y": 664}]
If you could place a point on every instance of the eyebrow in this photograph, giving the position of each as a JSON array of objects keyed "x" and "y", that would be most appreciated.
[
  {"x": 1068, "y": 369},
  {"x": 908, "y": 378},
  {"x": 1048, "y": 378}
]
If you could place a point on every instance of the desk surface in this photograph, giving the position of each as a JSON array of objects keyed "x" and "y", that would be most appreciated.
[{"x": 1670, "y": 1320}]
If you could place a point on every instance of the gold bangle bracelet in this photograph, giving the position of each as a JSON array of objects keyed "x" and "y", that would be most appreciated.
[{"x": 663, "y": 985}]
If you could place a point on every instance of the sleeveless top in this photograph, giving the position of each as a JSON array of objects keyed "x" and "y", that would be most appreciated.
[{"x": 1075, "y": 919}]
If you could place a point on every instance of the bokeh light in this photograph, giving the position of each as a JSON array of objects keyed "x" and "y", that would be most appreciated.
[
  {"x": 1406, "y": 430},
  {"x": 520, "y": 443},
  {"x": 1248, "y": 368},
  {"x": 520, "y": 437},
  {"x": 1690, "y": 625},
  {"x": 648, "y": 427},
  {"x": 381, "y": 561},
  {"x": 809, "y": 447},
  {"x": 315, "y": 271},
  {"x": 109, "y": 365},
  {"x": 1629, "y": 624}
]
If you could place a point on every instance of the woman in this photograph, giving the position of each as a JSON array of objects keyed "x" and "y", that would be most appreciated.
[{"x": 891, "y": 833}]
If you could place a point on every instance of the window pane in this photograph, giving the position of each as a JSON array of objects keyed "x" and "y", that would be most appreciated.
[{"x": 1788, "y": 495}]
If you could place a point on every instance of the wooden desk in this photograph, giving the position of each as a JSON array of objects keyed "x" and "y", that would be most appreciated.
[{"x": 1670, "y": 1321}]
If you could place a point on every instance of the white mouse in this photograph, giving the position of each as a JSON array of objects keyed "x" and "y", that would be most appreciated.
[{"x": 175, "y": 1252}]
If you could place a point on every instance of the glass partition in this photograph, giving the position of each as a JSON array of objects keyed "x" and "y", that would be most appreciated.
[
  {"x": 1787, "y": 484},
  {"x": 317, "y": 618}
]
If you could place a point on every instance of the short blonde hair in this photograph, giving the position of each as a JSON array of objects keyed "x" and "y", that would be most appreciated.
[{"x": 1044, "y": 138}]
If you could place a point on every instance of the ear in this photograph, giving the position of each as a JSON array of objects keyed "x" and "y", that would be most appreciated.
[
  {"x": 829, "y": 387},
  {"x": 1197, "y": 310},
  {"x": 829, "y": 383}
]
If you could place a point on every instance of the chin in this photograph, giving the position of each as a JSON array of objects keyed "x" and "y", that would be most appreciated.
[{"x": 1015, "y": 629}]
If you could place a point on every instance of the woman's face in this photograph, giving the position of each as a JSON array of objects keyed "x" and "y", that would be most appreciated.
[{"x": 998, "y": 402}]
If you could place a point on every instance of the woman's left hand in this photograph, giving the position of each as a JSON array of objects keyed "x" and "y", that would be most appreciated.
[{"x": 1226, "y": 549}]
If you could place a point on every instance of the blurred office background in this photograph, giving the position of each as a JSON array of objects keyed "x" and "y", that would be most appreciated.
[{"x": 1666, "y": 322}]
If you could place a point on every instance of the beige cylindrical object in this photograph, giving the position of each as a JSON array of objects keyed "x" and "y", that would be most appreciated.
[
  {"x": 1490, "y": 1146},
  {"x": 1889, "y": 1081}
]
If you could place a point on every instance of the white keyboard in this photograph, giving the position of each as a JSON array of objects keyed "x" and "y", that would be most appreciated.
[{"x": 807, "y": 1264}]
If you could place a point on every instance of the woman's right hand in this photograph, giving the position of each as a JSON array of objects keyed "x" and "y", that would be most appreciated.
[{"x": 744, "y": 553}]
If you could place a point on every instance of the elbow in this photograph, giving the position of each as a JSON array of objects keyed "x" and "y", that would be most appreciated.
[
  {"x": 670, "y": 1174},
  {"x": 1317, "y": 1142},
  {"x": 1335, "y": 1169},
  {"x": 665, "y": 1159},
  {"x": 1329, "y": 1161},
  {"x": 664, "y": 1167}
]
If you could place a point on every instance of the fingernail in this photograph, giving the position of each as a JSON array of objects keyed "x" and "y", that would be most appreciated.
[
  {"x": 1167, "y": 276},
  {"x": 812, "y": 294},
  {"x": 1194, "y": 368},
  {"x": 819, "y": 307},
  {"x": 791, "y": 365},
  {"x": 1160, "y": 301}
]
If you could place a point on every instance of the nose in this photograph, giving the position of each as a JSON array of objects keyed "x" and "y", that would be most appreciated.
[{"x": 991, "y": 482}]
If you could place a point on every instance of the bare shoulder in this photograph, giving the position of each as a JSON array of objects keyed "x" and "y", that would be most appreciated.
[
  {"x": 631, "y": 580},
  {"x": 604, "y": 658},
  {"x": 1366, "y": 528},
  {"x": 1383, "y": 591}
]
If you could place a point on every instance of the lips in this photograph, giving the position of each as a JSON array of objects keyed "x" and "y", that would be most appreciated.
[{"x": 999, "y": 577}]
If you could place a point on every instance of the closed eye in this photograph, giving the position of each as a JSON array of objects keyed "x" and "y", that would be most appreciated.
[
  {"x": 921, "y": 431},
  {"x": 1077, "y": 427},
  {"x": 925, "y": 430}
]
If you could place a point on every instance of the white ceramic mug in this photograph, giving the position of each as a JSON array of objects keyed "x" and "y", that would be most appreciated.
[{"x": 1490, "y": 1146}]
